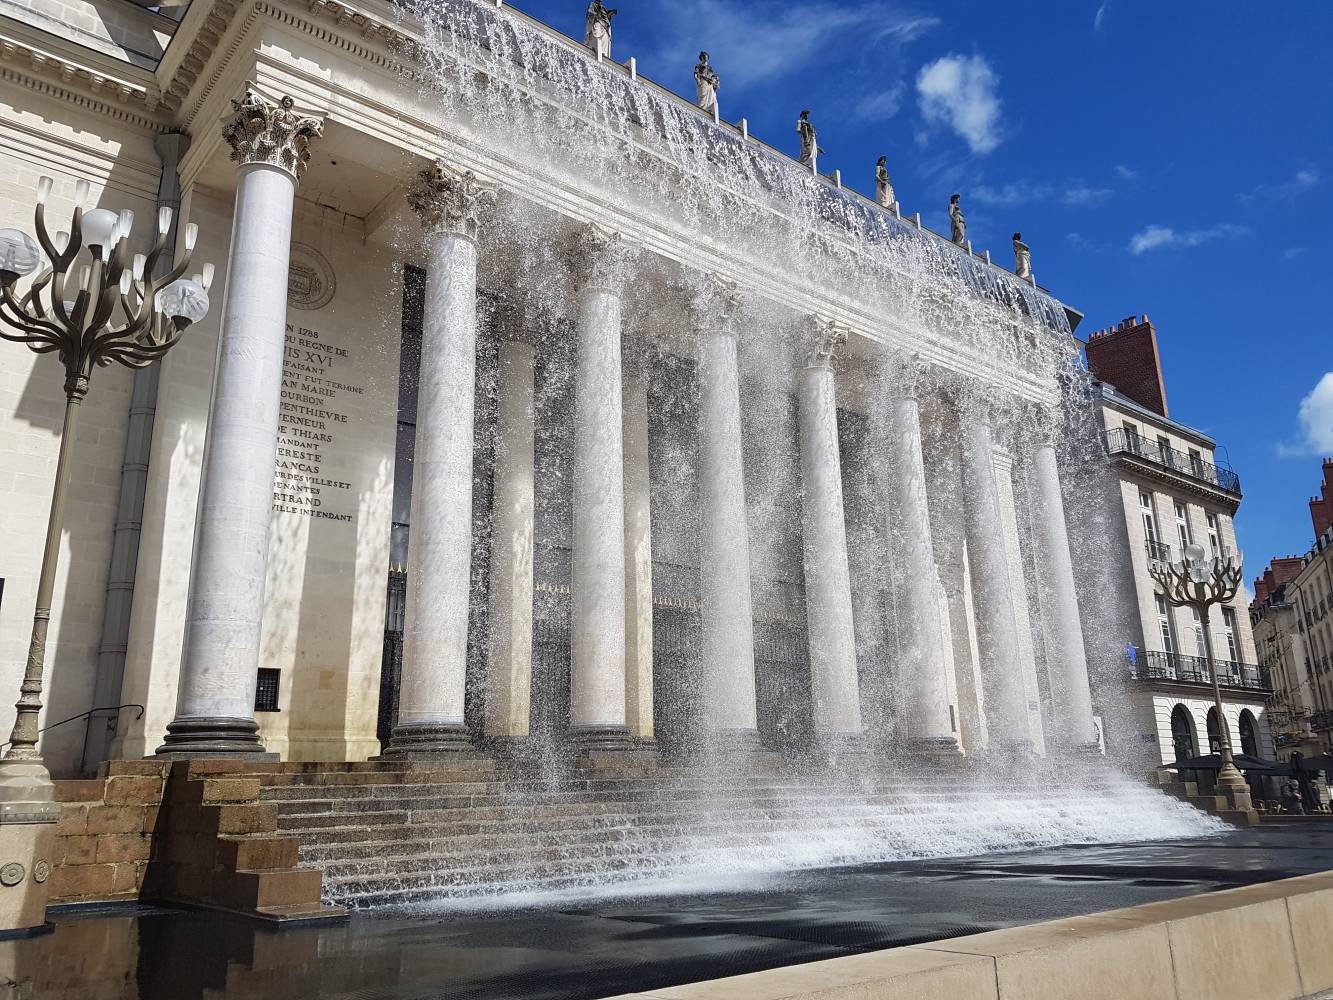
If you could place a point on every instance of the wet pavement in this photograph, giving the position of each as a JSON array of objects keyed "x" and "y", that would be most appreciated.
[{"x": 580, "y": 948}]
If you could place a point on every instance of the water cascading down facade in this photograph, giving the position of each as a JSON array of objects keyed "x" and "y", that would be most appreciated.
[{"x": 542, "y": 414}]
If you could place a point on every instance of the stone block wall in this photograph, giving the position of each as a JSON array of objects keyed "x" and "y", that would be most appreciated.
[{"x": 187, "y": 831}]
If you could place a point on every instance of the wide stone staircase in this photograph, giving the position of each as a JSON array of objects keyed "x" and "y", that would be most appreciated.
[{"x": 424, "y": 833}]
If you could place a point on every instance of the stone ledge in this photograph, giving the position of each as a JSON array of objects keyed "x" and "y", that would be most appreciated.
[{"x": 1262, "y": 942}]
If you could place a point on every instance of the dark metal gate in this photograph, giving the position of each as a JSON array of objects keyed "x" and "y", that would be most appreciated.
[
  {"x": 678, "y": 707},
  {"x": 782, "y": 682},
  {"x": 391, "y": 668}
]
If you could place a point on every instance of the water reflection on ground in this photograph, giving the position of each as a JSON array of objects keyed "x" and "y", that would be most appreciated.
[{"x": 563, "y": 949}]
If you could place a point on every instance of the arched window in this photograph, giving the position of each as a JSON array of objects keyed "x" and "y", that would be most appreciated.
[
  {"x": 1214, "y": 732},
  {"x": 1249, "y": 734},
  {"x": 1182, "y": 733}
]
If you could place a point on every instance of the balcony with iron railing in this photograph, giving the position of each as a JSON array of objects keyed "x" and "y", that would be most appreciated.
[
  {"x": 1123, "y": 442},
  {"x": 1321, "y": 720},
  {"x": 1178, "y": 668},
  {"x": 1158, "y": 552}
]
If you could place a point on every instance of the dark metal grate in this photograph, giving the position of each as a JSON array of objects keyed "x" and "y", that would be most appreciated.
[{"x": 266, "y": 690}]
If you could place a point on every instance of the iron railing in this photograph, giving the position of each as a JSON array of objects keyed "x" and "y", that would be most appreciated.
[
  {"x": 1122, "y": 442},
  {"x": 1321, "y": 720},
  {"x": 1159, "y": 666},
  {"x": 1158, "y": 551}
]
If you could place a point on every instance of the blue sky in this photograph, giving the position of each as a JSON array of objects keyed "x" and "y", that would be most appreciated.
[{"x": 1167, "y": 158}]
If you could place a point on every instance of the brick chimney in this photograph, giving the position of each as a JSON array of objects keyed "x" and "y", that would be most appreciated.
[
  {"x": 1321, "y": 507},
  {"x": 1126, "y": 357},
  {"x": 1279, "y": 573}
]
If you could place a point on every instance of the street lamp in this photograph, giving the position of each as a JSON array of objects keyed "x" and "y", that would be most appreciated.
[
  {"x": 114, "y": 307},
  {"x": 1200, "y": 582}
]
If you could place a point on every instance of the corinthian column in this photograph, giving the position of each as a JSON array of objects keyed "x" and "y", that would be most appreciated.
[
  {"x": 828, "y": 583},
  {"x": 450, "y": 204},
  {"x": 1005, "y": 700},
  {"x": 509, "y": 666},
  {"x": 220, "y": 661},
  {"x": 1068, "y": 657},
  {"x": 724, "y": 557},
  {"x": 597, "y": 678},
  {"x": 923, "y": 630}
]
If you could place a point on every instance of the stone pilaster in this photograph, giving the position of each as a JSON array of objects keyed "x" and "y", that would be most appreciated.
[
  {"x": 220, "y": 660},
  {"x": 924, "y": 634},
  {"x": 601, "y": 261},
  {"x": 828, "y": 585},
  {"x": 451, "y": 205},
  {"x": 509, "y": 657},
  {"x": 724, "y": 557},
  {"x": 638, "y": 545}
]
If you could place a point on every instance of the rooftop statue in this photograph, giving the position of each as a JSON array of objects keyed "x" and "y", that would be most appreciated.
[
  {"x": 809, "y": 149},
  {"x": 883, "y": 186},
  {"x": 598, "y": 36},
  {"x": 1022, "y": 258},
  {"x": 956, "y": 217},
  {"x": 708, "y": 83}
]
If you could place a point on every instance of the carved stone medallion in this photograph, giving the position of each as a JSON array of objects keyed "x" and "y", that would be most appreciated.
[
  {"x": 12, "y": 873},
  {"x": 40, "y": 871},
  {"x": 310, "y": 279}
]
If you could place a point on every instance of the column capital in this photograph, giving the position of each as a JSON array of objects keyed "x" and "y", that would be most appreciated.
[
  {"x": 263, "y": 130},
  {"x": 829, "y": 338},
  {"x": 908, "y": 375},
  {"x": 714, "y": 301},
  {"x": 600, "y": 258},
  {"x": 449, "y": 200}
]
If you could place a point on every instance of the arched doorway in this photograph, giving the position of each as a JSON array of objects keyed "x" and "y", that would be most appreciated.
[
  {"x": 1249, "y": 734},
  {"x": 1182, "y": 733},
  {"x": 1214, "y": 732}
]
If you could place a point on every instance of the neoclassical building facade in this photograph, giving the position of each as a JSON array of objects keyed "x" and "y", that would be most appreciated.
[{"x": 639, "y": 430}]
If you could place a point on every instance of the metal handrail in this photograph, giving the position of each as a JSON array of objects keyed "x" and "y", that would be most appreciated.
[
  {"x": 85, "y": 715},
  {"x": 1160, "y": 666},
  {"x": 1121, "y": 441}
]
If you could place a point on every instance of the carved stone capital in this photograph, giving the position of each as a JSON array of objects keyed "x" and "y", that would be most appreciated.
[
  {"x": 714, "y": 302},
  {"x": 829, "y": 338},
  {"x": 448, "y": 200},
  {"x": 907, "y": 375},
  {"x": 601, "y": 259},
  {"x": 262, "y": 130}
]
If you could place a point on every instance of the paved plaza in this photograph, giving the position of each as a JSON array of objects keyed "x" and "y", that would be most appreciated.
[{"x": 570, "y": 949}]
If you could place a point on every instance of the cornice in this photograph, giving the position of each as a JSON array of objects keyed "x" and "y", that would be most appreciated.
[{"x": 26, "y": 62}]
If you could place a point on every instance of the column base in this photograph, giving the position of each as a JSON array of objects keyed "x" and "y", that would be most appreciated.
[
  {"x": 833, "y": 748},
  {"x": 936, "y": 749},
  {"x": 235, "y": 739},
  {"x": 426, "y": 740},
  {"x": 603, "y": 739}
]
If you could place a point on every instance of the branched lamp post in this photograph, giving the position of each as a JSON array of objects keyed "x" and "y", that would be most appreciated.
[
  {"x": 1199, "y": 582},
  {"x": 108, "y": 306}
]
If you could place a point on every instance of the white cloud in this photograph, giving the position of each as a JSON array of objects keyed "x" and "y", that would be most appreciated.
[
  {"x": 1291, "y": 253},
  {"x": 1302, "y": 180},
  {"x": 1126, "y": 173},
  {"x": 1024, "y": 192},
  {"x": 1154, "y": 237},
  {"x": 1100, "y": 19},
  {"x": 960, "y": 92},
  {"x": 756, "y": 43},
  {"x": 883, "y": 105},
  {"x": 1316, "y": 417}
]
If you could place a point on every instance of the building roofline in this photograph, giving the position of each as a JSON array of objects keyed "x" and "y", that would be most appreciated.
[{"x": 1122, "y": 402}]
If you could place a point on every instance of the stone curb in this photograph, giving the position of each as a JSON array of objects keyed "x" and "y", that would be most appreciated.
[{"x": 1261, "y": 942}]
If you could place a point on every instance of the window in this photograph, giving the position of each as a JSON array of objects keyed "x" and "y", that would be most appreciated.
[
  {"x": 1183, "y": 527},
  {"x": 1132, "y": 438},
  {"x": 1229, "y": 623},
  {"x": 1200, "y": 648},
  {"x": 1164, "y": 621},
  {"x": 266, "y": 691},
  {"x": 1214, "y": 536},
  {"x": 1196, "y": 462},
  {"x": 1155, "y": 548},
  {"x": 1163, "y": 449},
  {"x": 1182, "y": 733}
]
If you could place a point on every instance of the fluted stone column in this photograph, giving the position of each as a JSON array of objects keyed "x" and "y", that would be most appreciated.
[
  {"x": 828, "y": 584},
  {"x": 1005, "y": 701},
  {"x": 638, "y": 547},
  {"x": 1068, "y": 657},
  {"x": 925, "y": 661},
  {"x": 220, "y": 660},
  {"x": 509, "y": 666},
  {"x": 724, "y": 556},
  {"x": 597, "y": 679},
  {"x": 450, "y": 204}
]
